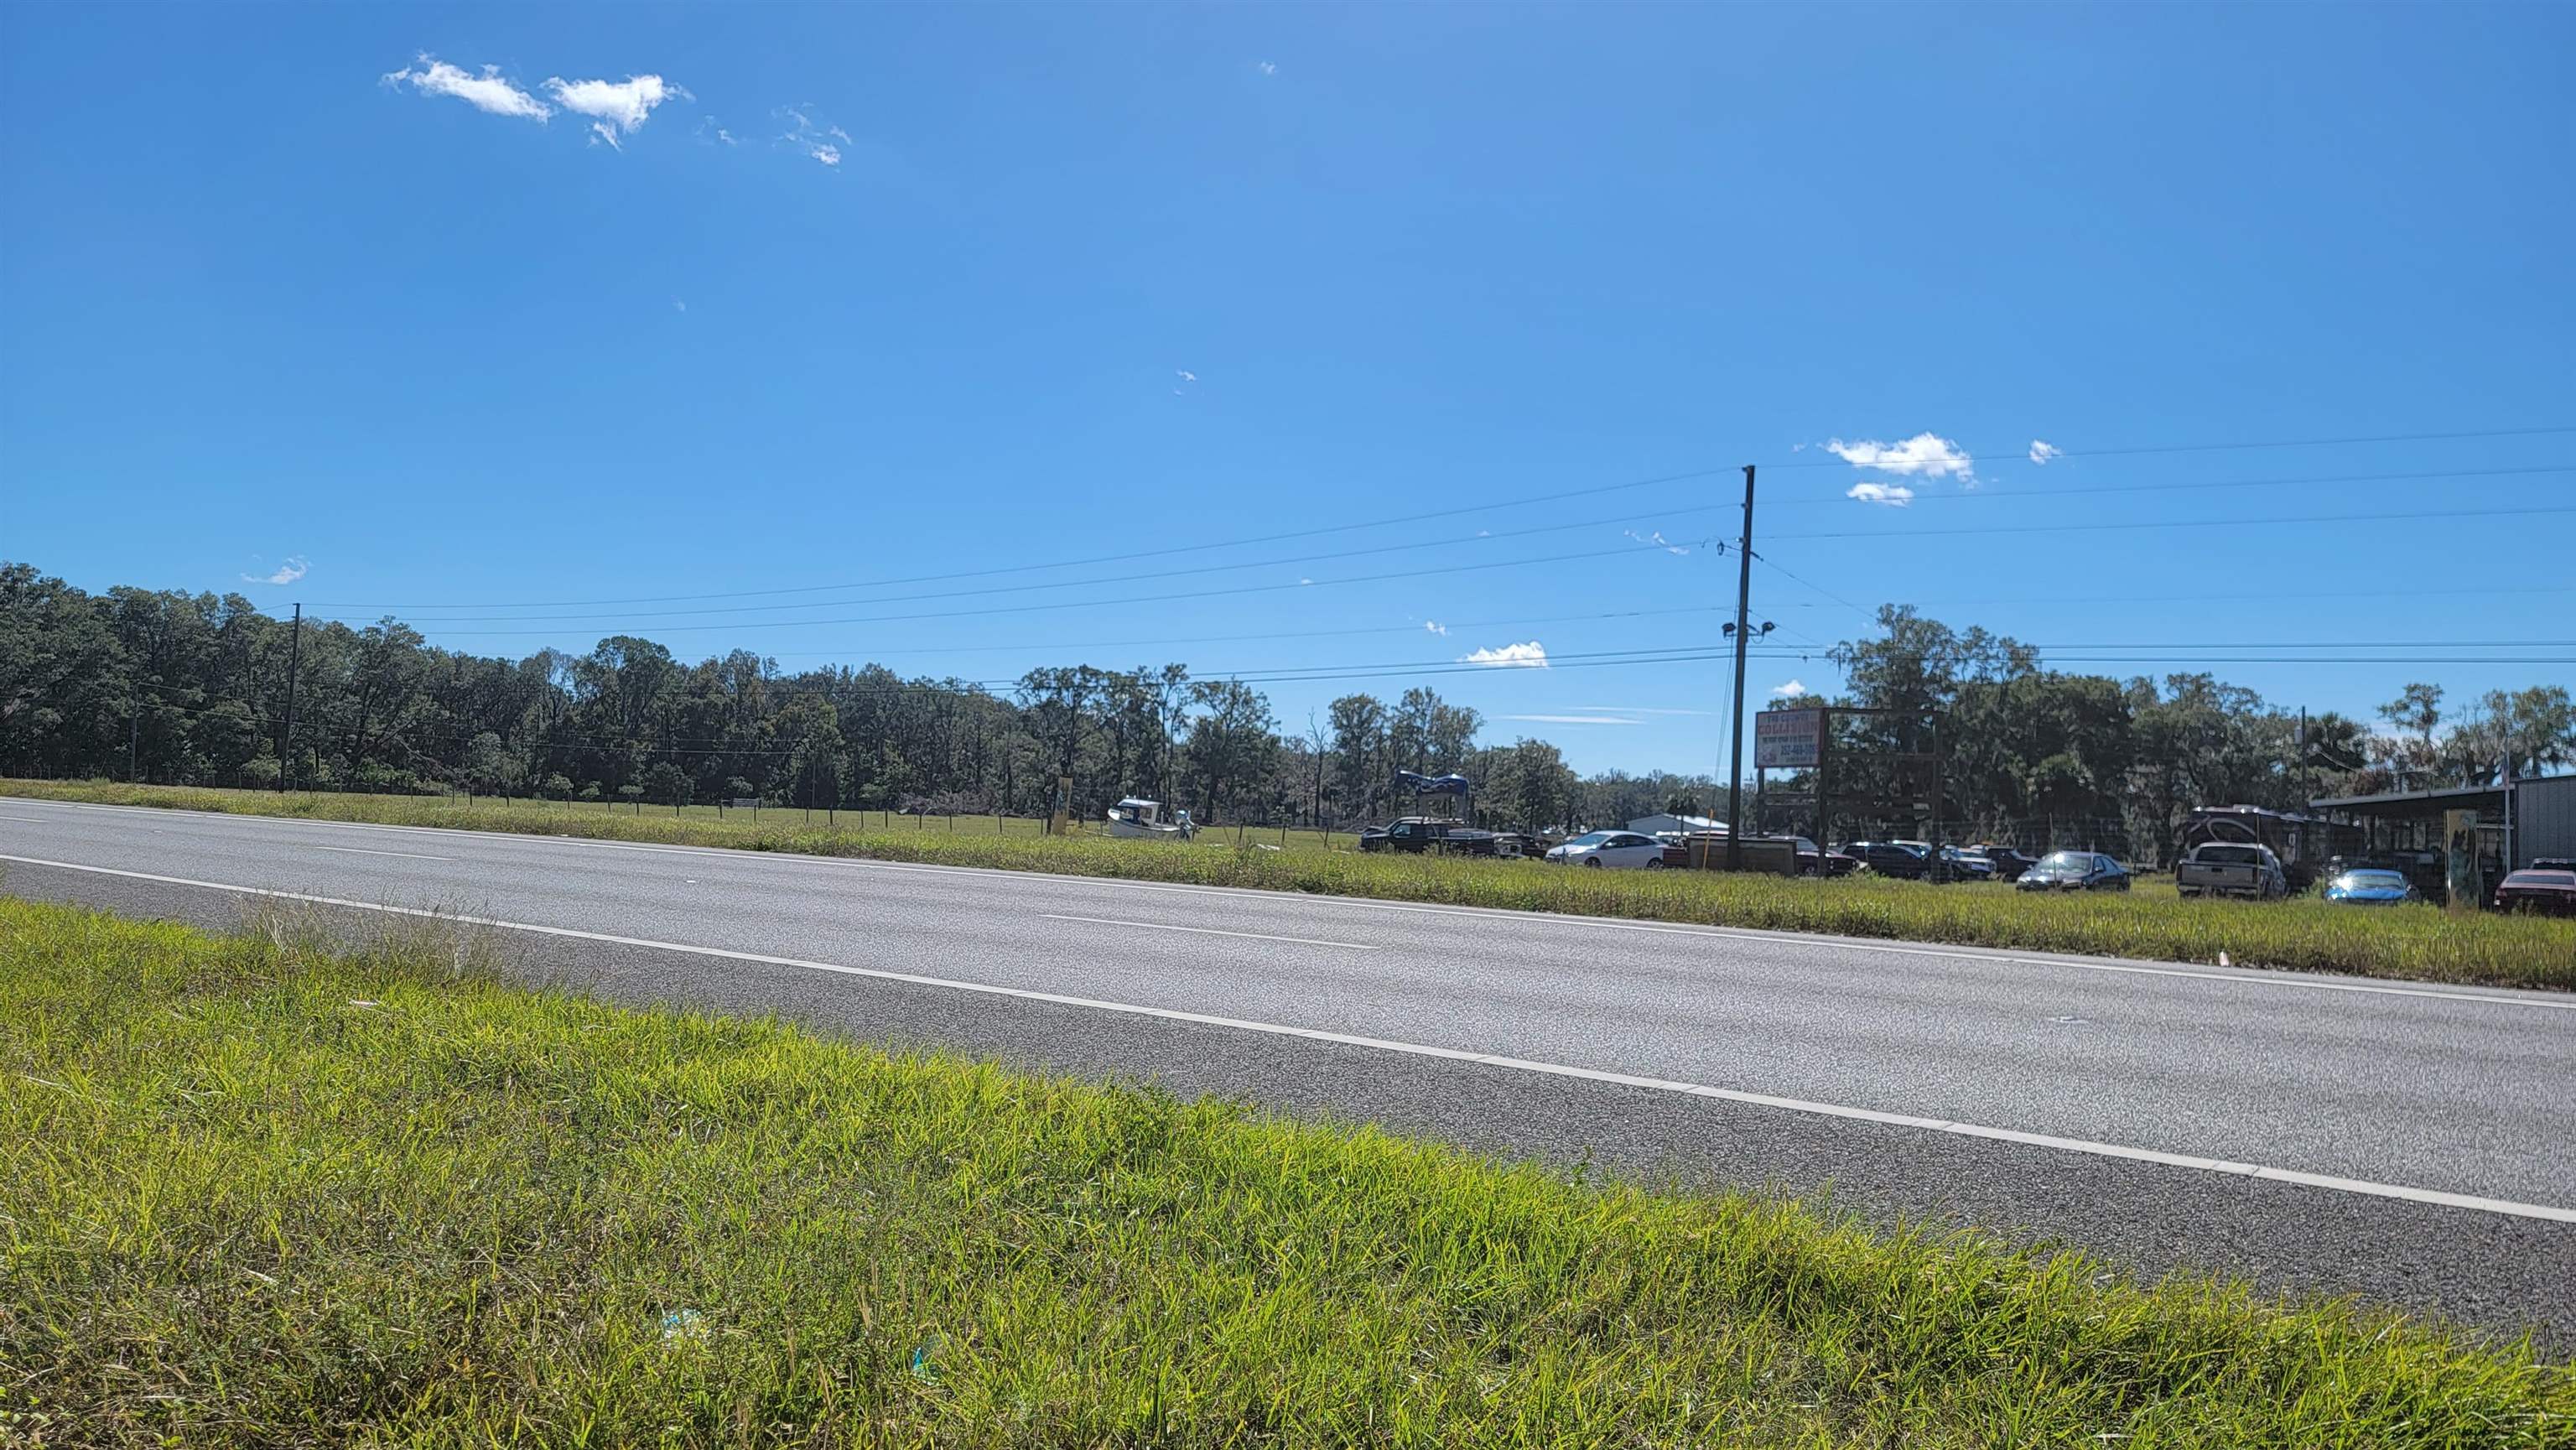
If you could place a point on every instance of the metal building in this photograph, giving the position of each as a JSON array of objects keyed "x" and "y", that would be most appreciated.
[{"x": 2539, "y": 820}]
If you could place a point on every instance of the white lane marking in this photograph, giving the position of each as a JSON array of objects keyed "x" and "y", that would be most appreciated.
[
  {"x": 1303, "y": 941},
  {"x": 39, "y": 820},
  {"x": 363, "y": 851},
  {"x": 2087, "y": 1146},
  {"x": 2283, "y": 978}
]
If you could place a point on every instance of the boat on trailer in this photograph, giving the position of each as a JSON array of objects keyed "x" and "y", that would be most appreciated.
[{"x": 1133, "y": 819}]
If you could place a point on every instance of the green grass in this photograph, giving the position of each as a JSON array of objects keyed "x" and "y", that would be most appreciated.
[
  {"x": 2411, "y": 943},
  {"x": 256, "y": 1193}
]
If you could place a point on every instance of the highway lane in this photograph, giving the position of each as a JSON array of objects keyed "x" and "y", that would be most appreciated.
[{"x": 2429, "y": 1091}]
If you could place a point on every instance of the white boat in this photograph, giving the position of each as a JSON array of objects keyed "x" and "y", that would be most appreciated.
[{"x": 1142, "y": 820}]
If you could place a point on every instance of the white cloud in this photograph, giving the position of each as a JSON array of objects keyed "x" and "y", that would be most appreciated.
[
  {"x": 486, "y": 92},
  {"x": 1185, "y": 375},
  {"x": 1657, "y": 538},
  {"x": 615, "y": 108},
  {"x": 1789, "y": 691},
  {"x": 1435, "y": 626},
  {"x": 1892, "y": 495},
  {"x": 2041, "y": 452},
  {"x": 679, "y": 306},
  {"x": 1305, "y": 581},
  {"x": 1640, "y": 710},
  {"x": 807, "y": 137},
  {"x": 1530, "y": 656},
  {"x": 287, "y": 573},
  {"x": 1926, "y": 454},
  {"x": 1267, "y": 68},
  {"x": 1573, "y": 720},
  {"x": 709, "y": 129}
]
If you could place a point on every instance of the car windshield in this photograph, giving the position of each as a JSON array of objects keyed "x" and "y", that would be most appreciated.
[
  {"x": 2371, "y": 881},
  {"x": 1590, "y": 838},
  {"x": 2067, "y": 861}
]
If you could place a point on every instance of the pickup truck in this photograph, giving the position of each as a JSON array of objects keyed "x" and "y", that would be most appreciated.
[
  {"x": 2221, "y": 868},
  {"x": 1451, "y": 838}
]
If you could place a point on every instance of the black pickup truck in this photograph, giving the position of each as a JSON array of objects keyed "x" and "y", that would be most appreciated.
[{"x": 1450, "y": 838}]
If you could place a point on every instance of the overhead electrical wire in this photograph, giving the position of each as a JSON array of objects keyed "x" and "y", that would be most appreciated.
[
  {"x": 1084, "y": 583},
  {"x": 1186, "y": 594},
  {"x": 1628, "y": 549},
  {"x": 1315, "y": 532},
  {"x": 1529, "y": 499},
  {"x": 2142, "y": 450},
  {"x": 321, "y": 611},
  {"x": 2125, "y": 524}
]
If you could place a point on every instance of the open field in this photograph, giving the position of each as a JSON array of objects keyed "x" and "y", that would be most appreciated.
[
  {"x": 257, "y": 1193},
  {"x": 2414, "y": 943}
]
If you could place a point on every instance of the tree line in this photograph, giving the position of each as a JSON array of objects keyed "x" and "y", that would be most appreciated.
[
  {"x": 2029, "y": 754},
  {"x": 180, "y": 688}
]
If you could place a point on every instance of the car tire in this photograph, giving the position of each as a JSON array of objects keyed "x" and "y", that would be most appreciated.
[
  {"x": 1654, "y": 865},
  {"x": 1592, "y": 861}
]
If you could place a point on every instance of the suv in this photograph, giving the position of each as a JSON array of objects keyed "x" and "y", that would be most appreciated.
[{"x": 1890, "y": 858}]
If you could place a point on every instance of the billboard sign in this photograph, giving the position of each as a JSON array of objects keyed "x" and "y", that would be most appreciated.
[{"x": 1788, "y": 739}]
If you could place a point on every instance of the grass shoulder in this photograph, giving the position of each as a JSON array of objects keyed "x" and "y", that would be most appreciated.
[
  {"x": 256, "y": 1192},
  {"x": 2152, "y": 923}
]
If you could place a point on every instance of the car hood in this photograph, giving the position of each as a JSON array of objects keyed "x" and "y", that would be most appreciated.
[{"x": 2366, "y": 893}]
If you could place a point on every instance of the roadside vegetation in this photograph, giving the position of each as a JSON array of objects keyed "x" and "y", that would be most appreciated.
[
  {"x": 2415, "y": 943},
  {"x": 256, "y": 1191}
]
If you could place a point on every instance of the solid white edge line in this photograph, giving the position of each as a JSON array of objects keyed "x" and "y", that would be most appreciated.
[
  {"x": 1303, "y": 941},
  {"x": 2242, "y": 977},
  {"x": 363, "y": 851},
  {"x": 1414, "y": 1049}
]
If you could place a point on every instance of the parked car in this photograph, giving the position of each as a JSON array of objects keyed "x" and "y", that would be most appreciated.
[
  {"x": 1964, "y": 863},
  {"x": 2371, "y": 886},
  {"x": 1815, "y": 860},
  {"x": 2075, "y": 871},
  {"x": 2542, "y": 887},
  {"x": 2229, "y": 868},
  {"x": 2009, "y": 864},
  {"x": 1619, "y": 850},
  {"x": 1430, "y": 833},
  {"x": 1890, "y": 858}
]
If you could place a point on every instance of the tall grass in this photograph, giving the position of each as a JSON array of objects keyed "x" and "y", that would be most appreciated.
[
  {"x": 253, "y": 1193},
  {"x": 2413, "y": 943}
]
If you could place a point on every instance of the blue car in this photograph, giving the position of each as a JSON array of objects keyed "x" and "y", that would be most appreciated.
[{"x": 2371, "y": 888}]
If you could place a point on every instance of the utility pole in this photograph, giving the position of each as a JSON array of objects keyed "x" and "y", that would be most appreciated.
[
  {"x": 286, "y": 742},
  {"x": 133, "y": 734},
  {"x": 2303, "y": 760},
  {"x": 1735, "y": 729}
]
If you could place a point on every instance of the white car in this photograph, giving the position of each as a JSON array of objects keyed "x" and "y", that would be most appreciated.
[{"x": 1620, "y": 850}]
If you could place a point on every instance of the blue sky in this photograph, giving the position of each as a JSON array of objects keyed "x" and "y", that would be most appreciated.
[{"x": 853, "y": 294}]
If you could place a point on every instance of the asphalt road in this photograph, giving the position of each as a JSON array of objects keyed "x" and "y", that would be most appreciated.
[{"x": 2411, "y": 1145}]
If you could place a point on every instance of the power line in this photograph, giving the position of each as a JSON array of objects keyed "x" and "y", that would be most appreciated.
[
  {"x": 1523, "y": 501},
  {"x": 1766, "y": 562},
  {"x": 2169, "y": 448},
  {"x": 2299, "y": 519},
  {"x": 1191, "y": 594},
  {"x": 1073, "y": 583},
  {"x": 1276, "y": 634},
  {"x": 2198, "y": 485},
  {"x": 2373, "y": 518}
]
